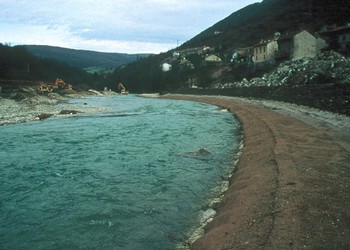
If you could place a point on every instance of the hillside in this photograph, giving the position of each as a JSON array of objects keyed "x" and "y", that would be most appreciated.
[
  {"x": 243, "y": 28},
  {"x": 261, "y": 20},
  {"x": 18, "y": 66},
  {"x": 84, "y": 59}
]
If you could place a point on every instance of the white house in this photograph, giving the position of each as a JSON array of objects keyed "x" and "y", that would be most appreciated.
[{"x": 166, "y": 67}]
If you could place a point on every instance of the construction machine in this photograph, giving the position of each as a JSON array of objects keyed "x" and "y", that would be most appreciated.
[
  {"x": 122, "y": 89},
  {"x": 57, "y": 86},
  {"x": 45, "y": 88}
]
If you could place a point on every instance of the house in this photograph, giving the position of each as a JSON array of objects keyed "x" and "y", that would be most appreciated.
[
  {"x": 213, "y": 59},
  {"x": 306, "y": 45},
  {"x": 176, "y": 54},
  {"x": 166, "y": 67},
  {"x": 297, "y": 45},
  {"x": 264, "y": 52},
  {"x": 339, "y": 37}
]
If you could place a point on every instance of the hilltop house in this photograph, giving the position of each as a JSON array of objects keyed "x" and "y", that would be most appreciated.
[
  {"x": 299, "y": 45},
  {"x": 192, "y": 51}
]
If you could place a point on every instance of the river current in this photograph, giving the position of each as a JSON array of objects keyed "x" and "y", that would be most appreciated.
[{"x": 135, "y": 176}]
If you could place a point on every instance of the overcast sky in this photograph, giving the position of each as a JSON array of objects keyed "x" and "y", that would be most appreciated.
[{"x": 125, "y": 26}]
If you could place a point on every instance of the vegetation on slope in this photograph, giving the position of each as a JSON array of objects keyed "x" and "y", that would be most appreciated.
[
  {"x": 261, "y": 20},
  {"x": 16, "y": 63},
  {"x": 83, "y": 58}
]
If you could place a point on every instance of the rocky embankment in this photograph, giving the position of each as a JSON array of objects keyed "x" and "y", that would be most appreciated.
[
  {"x": 322, "y": 82},
  {"x": 20, "y": 104},
  {"x": 326, "y": 68}
]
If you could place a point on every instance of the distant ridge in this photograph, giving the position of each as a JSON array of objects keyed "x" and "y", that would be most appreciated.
[{"x": 83, "y": 59}]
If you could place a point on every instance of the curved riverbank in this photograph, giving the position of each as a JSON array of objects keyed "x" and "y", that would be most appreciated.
[{"x": 291, "y": 185}]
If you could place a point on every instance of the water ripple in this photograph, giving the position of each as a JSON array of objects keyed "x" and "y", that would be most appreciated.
[{"x": 135, "y": 176}]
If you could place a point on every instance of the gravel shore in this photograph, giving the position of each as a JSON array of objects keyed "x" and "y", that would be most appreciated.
[
  {"x": 38, "y": 107},
  {"x": 290, "y": 189}
]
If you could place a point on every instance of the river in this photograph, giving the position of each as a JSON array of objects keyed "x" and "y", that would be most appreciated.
[{"x": 136, "y": 176}]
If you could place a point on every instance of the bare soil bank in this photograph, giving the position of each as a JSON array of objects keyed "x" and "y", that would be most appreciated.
[{"x": 291, "y": 186}]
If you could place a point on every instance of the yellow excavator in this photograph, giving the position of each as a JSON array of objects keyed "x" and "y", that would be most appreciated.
[{"x": 122, "y": 89}]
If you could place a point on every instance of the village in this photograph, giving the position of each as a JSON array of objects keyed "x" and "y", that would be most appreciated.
[{"x": 267, "y": 54}]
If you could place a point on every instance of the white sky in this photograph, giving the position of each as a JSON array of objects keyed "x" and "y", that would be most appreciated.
[{"x": 124, "y": 26}]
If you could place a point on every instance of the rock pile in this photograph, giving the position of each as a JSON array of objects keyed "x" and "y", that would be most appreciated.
[{"x": 326, "y": 68}]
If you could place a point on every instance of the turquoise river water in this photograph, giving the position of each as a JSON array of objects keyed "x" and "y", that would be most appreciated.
[{"x": 131, "y": 177}]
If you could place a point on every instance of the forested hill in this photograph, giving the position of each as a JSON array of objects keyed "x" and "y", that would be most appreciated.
[
  {"x": 83, "y": 58},
  {"x": 17, "y": 64}
]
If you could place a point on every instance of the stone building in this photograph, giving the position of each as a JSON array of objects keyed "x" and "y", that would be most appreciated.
[
  {"x": 306, "y": 45},
  {"x": 264, "y": 52},
  {"x": 299, "y": 45}
]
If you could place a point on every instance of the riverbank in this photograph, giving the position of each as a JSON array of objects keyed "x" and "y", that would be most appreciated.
[
  {"x": 24, "y": 105},
  {"x": 291, "y": 188}
]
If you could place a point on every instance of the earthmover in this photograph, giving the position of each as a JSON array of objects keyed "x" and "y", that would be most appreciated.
[
  {"x": 122, "y": 89},
  {"x": 58, "y": 86}
]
